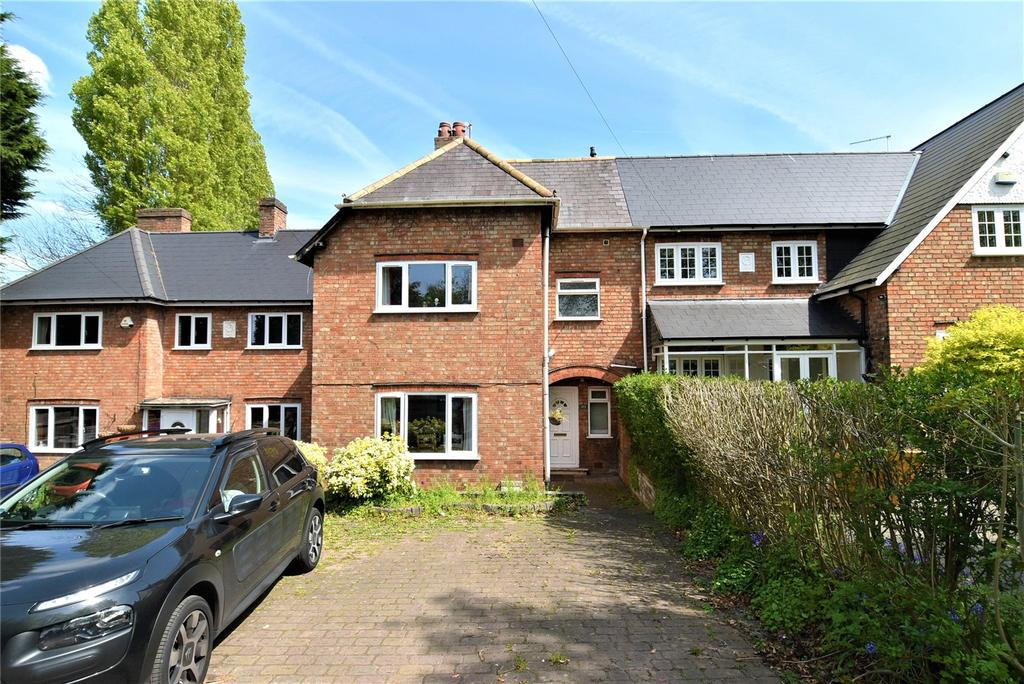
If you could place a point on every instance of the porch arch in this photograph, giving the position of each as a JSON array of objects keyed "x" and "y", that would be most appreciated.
[{"x": 593, "y": 372}]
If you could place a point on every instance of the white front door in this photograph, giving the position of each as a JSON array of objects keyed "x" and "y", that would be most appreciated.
[
  {"x": 174, "y": 418},
  {"x": 565, "y": 437}
]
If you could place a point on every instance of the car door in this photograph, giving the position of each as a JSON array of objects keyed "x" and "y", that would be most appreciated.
[
  {"x": 285, "y": 468},
  {"x": 12, "y": 468}
]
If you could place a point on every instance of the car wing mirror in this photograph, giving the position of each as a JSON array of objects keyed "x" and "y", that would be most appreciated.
[{"x": 240, "y": 505}]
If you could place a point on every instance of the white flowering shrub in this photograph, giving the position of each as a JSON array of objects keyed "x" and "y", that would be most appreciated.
[
  {"x": 317, "y": 456},
  {"x": 366, "y": 468}
]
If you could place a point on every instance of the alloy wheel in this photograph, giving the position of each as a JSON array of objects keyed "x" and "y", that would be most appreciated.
[
  {"x": 315, "y": 538},
  {"x": 187, "y": 661}
]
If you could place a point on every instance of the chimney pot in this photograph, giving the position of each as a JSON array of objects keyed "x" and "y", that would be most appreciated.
[
  {"x": 458, "y": 129},
  {"x": 163, "y": 220},
  {"x": 444, "y": 130},
  {"x": 273, "y": 216}
]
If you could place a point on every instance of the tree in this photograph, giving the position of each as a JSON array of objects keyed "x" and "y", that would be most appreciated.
[
  {"x": 165, "y": 114},
  {"x": 22, "y": 148}
]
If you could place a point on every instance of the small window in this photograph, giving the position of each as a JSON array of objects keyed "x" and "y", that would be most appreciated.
[
  {"x": 599, "y": 413},
  {"x": 285, "y": 418},
  {"x": 192, "y": 331},
  {"x": 698, "y": 263},
  {"x": 275, "y": 331},
  {"x": 997, "y": 230},
  {"x": 61, "y": 428},
  {"x": 424, "y": 286},
  {"x": 288, "y": 470},
  {"x": 433, "y": 425},
  {"x": 67, "y": 331},
  {"x": 579, "y": 298},
  {"x": 795, "y": 261}
]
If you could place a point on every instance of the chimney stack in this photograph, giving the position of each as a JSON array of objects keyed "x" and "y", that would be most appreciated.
[
  {"x": 273, "y": 216},
  {"x": 447, "y": 132},
  {"x": 164, "y": 220}
]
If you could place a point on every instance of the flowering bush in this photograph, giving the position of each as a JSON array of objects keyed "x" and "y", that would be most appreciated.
[
  {"x": 369, "y": 468},
  {"x": 317, "y": 456}
]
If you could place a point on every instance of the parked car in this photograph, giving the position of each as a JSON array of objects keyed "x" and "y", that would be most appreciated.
[
  {"x": 17, "y": 465},
  {"x": 130, "y": 577}
]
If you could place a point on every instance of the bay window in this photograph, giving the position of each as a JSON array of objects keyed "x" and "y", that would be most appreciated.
[
  {"x": 61, "y": 428},
  {"x": 425, "y": 286},
  {"x": 697, "y": 263},
  {"x": 795, "y": 261},
  {"x": 67, "y": 331},
  {"x": 434, "y": 425},
  {"x": 997, "y": 230}
]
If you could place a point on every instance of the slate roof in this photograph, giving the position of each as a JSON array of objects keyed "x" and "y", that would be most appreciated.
[
  {"x": 589, "y": 190},
  {"x": 764, "y": 189},
  {"x": 718, "y": 319},
  {"x": 235, "y": 267},
  {"x": 948, "y": 161}
]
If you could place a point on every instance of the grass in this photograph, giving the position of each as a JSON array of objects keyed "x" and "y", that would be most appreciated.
[{"x": 443, "y": 497}]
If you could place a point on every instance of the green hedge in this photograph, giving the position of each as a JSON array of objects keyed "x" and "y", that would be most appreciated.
[{"x": 641, "y": 403}]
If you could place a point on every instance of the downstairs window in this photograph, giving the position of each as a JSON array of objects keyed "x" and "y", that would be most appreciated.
[{"x": 439, "y": 425}]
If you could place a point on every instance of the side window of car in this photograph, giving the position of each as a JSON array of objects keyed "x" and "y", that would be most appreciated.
[
  {"x": 10, "y": 456},
  {"x": 246, "y": 477},
  {"x": 289, "y": 469},
  {"x": 272, "y": 452}
]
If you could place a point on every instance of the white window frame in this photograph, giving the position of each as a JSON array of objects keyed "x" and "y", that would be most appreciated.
[
  {"x": 192, "y": 344},
  {"x": 36, "y": 448},
  {"x": 266, "y": 330},
  {"x": 794, "y": 265},
  {"x": 805, "y": 362},
  {"x": 677, "y": 248},
  {"x": 404, "y": 307},
  {"x": 53, "y": 330},
  {"x": 559, "y": 292},
  {"x": 448, "y": 455},
  {"x": 591, "y": 402},
  {"x": 1000, "y": 249},
  {"x": 266, "y": 416}
]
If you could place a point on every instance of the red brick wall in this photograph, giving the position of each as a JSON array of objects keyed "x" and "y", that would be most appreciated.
[
  {"x": 736, "y": 284},
  {"x": 942, "y": 282},
  {"x": 876, "y": 306},
  {"x": 497, "y": 353}
]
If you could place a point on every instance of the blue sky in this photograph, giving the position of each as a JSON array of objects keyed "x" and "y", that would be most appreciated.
[{"x": 343, "y": 93}]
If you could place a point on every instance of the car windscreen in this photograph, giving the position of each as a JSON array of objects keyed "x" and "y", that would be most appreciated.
[{"x": 102, "y": 489}]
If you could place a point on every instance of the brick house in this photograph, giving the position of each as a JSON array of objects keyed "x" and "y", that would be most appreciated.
[{"x": 482, "y": 307}]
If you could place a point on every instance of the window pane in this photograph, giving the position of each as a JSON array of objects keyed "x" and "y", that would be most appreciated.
[
  {"x": 688, "y": 263},
  {"x": 391, "y": 288},
  {"x": 69, "y": 330},
  {"x": 790, "y": 368},
  {"x": 1011, "y": 228},
  {"x": 291, "y": 422},
  {"x": 688, "y": 367},
  {"x": 42, "y": 427},
  {"x": 259, "y": 329},
  {"x": 90, "y": 418},
  {"x": 426, "y": 423},
  {"x": 202, "y": 420},
  {"x": 805, "y": 261},
  {"x": 577, "y": 306},
  {"x": 818, "y": 367},
  {"x": 153, "y": 419},
  {"x": 390, "y": 416},
  {"x": 987, "y": 228},
  {"x": 294, "y": 329},
  {"x": 65, "y": 427},
  {"x": 274, "y": 416},
  {"x": 256, "y": 417},
  {"x": 462, "y": 424},
  {"x": 709, "y": 263},
  {"x": 243, "y": 479},
  {"x": 783, "y": 265},
  {"x": 275, "y": 330},
  {"x": 666, "y": 263},
  {"x": 462, "y": 284},
  {"x": 712, "y": 368},
  {"x": 92, "y": 329},
  {"x": 599, "y": 394},
  {"x": 43, "y": 329},
  {"x": 202, "y": 330},
  {"x": 426, "y": 285},
  {"x": 184, "y": 331},
  {"x": 599, "y": 418},
  {"x": 586, "y": 285}
]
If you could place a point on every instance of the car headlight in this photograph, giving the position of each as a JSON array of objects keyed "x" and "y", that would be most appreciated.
[
  {"x": 86, "y": 594},
  {"x": 85, "y": 628}
]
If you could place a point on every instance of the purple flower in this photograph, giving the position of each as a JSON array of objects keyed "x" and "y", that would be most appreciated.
[
  {"x": 978, "y": 609},
  {"x": 757, "y": 538},
  {"x": 954, "y": 617},
  {"x": 871, "y": 648},
  {"x": 837, "y": 572}
]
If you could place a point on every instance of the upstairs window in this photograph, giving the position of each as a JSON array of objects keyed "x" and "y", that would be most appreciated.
[
  {"x": 192, "y": 331},
  {"x": 579, "y": 299},
  {"x": 67, "y": 331},
  {"x": 997, "y": 230},
  {"x": 275, "y": 331},
  {"x": 425, "y": 286},
  {"x": 61, "y": 428},
  {"x": 796, "y": 261},
  {"x": 698, "y": 263}
]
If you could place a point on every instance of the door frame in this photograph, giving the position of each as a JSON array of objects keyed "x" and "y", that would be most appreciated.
[{"x": 571, "y": 395}]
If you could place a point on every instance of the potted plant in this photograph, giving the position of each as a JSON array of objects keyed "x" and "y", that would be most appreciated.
[{"x": 556, "y": 417}]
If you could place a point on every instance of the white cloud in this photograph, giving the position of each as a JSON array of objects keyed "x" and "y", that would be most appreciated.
[{"x": 33, "y": 65}]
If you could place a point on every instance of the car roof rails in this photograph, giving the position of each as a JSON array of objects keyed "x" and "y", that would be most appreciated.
[
  {"x": 233, "y": 437},
  {"x": 141, "y": 433}
]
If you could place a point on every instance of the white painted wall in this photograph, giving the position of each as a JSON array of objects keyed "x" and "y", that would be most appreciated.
[{"x": 985, "y": 191}]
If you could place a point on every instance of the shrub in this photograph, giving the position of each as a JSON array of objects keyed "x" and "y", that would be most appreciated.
[
  {"x": 641, "y": 403},
  {"x": 366, "y": 468},
  {"x": 317, "y": 456},
  {"x": 710, "y": 533}
]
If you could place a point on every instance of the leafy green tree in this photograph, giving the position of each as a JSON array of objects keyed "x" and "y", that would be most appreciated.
[
  {"x": 165, "y": 113},
  {"x": 22, "y": 148}
]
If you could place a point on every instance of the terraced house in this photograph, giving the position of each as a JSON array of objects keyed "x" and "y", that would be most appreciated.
[{"x": 483, "y": 307}]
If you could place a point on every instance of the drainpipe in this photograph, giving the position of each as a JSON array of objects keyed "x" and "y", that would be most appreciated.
[
  {"x": 863, "y": 328},
  {"x": 546, "y": 233},
  {"x": 643, "y": 291}
]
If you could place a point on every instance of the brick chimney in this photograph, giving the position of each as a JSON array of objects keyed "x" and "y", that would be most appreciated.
[
  {"x": 273, "y": 216},
  {"x": 447, "y": 132},
  {"x": 164, "y": 220}
]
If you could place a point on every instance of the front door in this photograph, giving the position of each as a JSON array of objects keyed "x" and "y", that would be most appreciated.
[
  {"x": 565, "y": 435},
  {"x": 175, "y": 418}
]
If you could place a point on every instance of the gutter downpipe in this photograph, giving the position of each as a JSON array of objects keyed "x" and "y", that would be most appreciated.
[
  {"x": 547, "y": 357},
  {"x": 863, "y": 328},
  {"x": 643, "y": 291}
]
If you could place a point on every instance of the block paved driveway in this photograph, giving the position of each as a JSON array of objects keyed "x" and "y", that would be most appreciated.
[{"x": 601, "y": 589}]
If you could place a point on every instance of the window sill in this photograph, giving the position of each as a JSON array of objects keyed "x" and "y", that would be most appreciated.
[
  {"x": 196, "y": 347},
  {"x": 269, "y": 347},
  {"x": 577, "y": 318},
  {"x": 88, "y": 347},
  {"x": 688, "y": 283},
  {"x": 425, "y": 310},
  {"x": 45, "y": 450},
  {"x": 999, "y": 251},
  {"x": 600, "y": 437},
  {"x": 797, "y": 281},
  {"x": 454, "y": 456}
]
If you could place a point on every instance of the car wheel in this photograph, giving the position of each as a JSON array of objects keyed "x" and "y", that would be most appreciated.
[
  {"x": 312, "y": 542},
  {"x": 184, "y": 653}
]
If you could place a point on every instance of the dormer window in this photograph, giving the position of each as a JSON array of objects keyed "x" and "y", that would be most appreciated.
[{"x": 997, "y": 230}]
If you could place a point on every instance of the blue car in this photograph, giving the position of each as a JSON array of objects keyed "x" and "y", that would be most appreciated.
[{"x": 17, "y": 464}]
